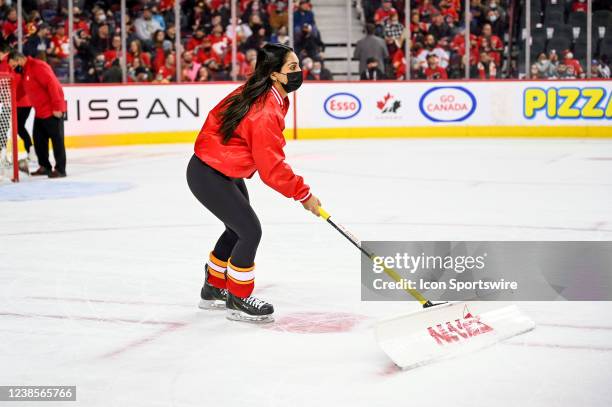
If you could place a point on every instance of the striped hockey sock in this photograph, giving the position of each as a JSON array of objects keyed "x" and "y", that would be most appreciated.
[
  {"x": 216, "y": 271},
  {"x": 240, "y": 280}
]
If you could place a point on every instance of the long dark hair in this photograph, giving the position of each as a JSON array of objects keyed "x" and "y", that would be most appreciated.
[{"x": 270, "y": 58}]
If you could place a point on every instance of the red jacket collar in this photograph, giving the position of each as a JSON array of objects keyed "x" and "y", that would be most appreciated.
[{"x": 277, "y": 96}]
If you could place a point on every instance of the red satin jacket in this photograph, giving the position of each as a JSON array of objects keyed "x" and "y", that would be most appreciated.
[
  {"x": 257, "y": 145},
  {"x": 43, "y": 88}
]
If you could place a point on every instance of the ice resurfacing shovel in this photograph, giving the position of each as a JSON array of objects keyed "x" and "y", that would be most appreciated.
[{"x": 440, "y": 330}]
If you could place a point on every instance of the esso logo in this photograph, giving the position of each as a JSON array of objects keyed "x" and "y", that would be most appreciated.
[
  {"x": 447, "y": 104},
  {"x": 342, "y": 105}
]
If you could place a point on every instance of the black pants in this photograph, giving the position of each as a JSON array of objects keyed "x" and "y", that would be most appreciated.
[
  {"x": 228, "y": 199},
  {"x": 45, "y": 129},
  {"x": 22, "y": 117}
]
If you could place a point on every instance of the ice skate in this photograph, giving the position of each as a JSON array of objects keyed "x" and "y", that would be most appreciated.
[
  {"x": 249, "y": 309},
  {"x": 211, "y": 297}
]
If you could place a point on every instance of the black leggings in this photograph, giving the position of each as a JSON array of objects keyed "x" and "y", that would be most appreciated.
[
  {"x": 228, "y": 199},
  {"x": 22, "y": 117}
]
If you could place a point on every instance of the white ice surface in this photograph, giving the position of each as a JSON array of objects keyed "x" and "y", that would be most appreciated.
[{"x": 100, "y": 291}]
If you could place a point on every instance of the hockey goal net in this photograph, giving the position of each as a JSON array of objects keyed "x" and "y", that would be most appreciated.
[{"x": 9, "y": 164}]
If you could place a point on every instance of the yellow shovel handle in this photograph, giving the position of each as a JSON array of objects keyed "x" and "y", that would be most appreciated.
[
  {"x": 390, "y": 272},
  {"x": 323, "y": 213}
]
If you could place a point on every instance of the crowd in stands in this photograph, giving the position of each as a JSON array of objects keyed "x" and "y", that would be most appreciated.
[
  {"x": 206, "y": 35},
  {"x": 436, "y": 39}
]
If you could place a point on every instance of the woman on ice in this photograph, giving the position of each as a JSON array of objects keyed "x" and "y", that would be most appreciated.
[{"x": 241, "y": 135}]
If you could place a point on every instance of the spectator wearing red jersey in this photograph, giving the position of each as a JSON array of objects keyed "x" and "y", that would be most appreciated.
[
  {"x": 161, "y": 47},
  {"x": 227, "y": 59},
  {"x": 433, "y": 70},
  {"x": 458, "y": 45},
  {"x": 418, "y": 29},
  {"x": 46, "y": 94},
  {"x": 398, "y": 61},
  {"x": 384, "y": 13},
  {"x": 9, "y": 26},
  {"x": 307, "y": 64},
  {"x": 196, "y": 40},
  {"x": 218, "y": 36},
  {"x": 60, "y": 43},
  {"x": 579, "y": 5},
  {"x": 205, "y": 53},
  {"x": 114, "y": 52},
  {"x": 247, "y": 67},
  {"x": 570, "y": 61},
  {"x": 78, "y": 21},
  {"x": 426, "y": 10},
  {"x": 167, "y": 72},
  {"x": 166, "y": 6},
  {"x": 136, "y": 52},
  {"x": 447, "y": 8},
  {"x": 486, "y": 47},
  {"x": 495, "y": 42}
]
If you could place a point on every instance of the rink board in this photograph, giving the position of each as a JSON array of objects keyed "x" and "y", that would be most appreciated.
[{"x": 101, "y": 115}]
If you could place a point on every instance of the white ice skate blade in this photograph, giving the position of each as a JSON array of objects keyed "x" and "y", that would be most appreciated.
[
  {"x": 212, "y": 305},
  {"x": 234, "y": 315}
]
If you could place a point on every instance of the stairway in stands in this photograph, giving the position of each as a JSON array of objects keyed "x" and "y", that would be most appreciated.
[{"x": 331, "y": 18}]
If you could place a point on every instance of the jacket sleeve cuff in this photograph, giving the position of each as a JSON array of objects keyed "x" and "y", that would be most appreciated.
[{"x": 308, "y": 195}]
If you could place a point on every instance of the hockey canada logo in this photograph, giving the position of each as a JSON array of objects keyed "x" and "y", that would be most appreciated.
[
  {"x": 459, "y": 330},
  {"x": 388, "y": 104}
]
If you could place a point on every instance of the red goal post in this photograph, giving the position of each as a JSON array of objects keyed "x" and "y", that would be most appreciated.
[{"x": 8, "y": 127}]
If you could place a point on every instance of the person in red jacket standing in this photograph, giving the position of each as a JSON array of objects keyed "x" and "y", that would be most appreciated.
[
  {"x": 23, "y": 102},
  {"x": 47, "y": 98},
  {"x": 242, "y": 135}
]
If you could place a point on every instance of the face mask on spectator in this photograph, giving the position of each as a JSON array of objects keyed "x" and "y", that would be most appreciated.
[
  {"x": 316, "y": 71},
  {"x": 492, "y": 18},
  {"x": 101, "y": 18}
]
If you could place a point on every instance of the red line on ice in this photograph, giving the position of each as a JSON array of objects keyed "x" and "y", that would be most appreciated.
[
  {"x": 95, "y": 319},
  {"x": 143, "y": 341},
  {"x": 169, "y": 326}
]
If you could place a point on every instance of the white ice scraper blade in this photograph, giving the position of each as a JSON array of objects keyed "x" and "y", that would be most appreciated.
[{"x": 448, "y": 330}]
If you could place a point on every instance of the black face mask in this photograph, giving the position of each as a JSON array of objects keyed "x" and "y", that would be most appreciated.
[
  {"x": 294, "y": 81},
  {"x": 18, "y": 69}
]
